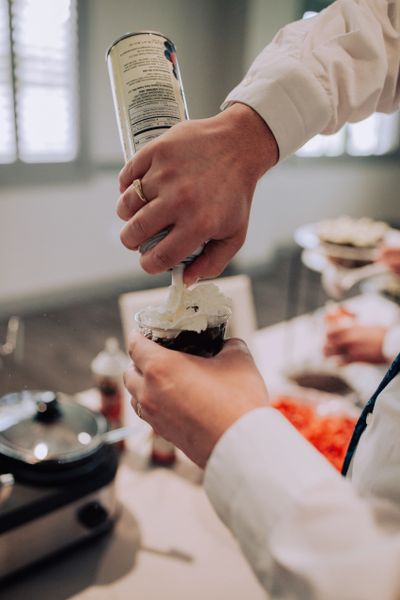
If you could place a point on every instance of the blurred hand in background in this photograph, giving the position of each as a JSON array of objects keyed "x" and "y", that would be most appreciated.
[
  {"x": 356, "y": 343},
  {"x": 391, "y": 257}
]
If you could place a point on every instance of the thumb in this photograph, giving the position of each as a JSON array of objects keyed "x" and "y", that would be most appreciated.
[
  {"x": 233, "y": 348},
  {"x": 235, "y": 358}
]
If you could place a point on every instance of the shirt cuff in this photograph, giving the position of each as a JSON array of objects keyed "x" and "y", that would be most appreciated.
[
  {"x": 391, "y": 343},
  {"x": 288, "y": 96}
]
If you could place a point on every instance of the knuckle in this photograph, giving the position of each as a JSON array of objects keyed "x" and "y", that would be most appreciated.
[
  {"x": 124, "y": 204},
  {"x": 126, "y": 240},
  {"x": 138, "y": 226},
  {"x": 122, "y": 177},
  {"x": 134, "y": 232},
  {"x": 154, "y": 372},
  {"x": 162, "y": 259},
  {"x": 161, "y": 149},
  {"x": 206, "y": 224},
  {"x": 125, "y": 174},
  {"x": 146, "y": 266},
  {"x": 185, "y": 193},
  {"x": 165, "y": 174}
]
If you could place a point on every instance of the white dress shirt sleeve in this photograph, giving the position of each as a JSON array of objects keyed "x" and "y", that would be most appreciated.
[
  {"x": 319, "y": 73},
  {"x": 304, "y": 529},
  {"x": 391, "y": 343},
  {"x": 307, "y": 532}
]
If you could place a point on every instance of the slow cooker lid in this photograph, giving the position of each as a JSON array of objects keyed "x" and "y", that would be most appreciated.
[{"x": 37, "y": 426}]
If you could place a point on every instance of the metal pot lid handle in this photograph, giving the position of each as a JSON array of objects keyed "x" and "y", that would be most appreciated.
[
  {"x": 47, "y": 407},
  {"x": 6, "y": 486}
]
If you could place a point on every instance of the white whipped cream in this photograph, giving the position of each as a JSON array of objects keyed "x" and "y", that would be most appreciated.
[{"x": 191, "y": 309}]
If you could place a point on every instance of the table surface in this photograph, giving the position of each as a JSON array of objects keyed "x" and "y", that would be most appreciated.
[{"x": 168, "y": 542}]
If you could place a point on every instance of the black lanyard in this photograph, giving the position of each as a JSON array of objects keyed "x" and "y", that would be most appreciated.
[{"x": 368, "y": 408}]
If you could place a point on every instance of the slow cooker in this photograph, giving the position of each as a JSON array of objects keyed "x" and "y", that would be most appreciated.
[{"x": 57, "y": 477}]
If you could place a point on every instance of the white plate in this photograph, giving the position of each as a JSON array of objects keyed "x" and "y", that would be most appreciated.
[
  {"x": 306, "y": 236},
  {"x": 381, "y": 284}
]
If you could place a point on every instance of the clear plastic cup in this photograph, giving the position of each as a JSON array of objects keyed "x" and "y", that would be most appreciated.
[{"x": 204, "y": 343}]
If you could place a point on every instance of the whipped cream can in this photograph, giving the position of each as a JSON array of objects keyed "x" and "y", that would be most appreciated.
[
  {"x": 148, "y": 96},
  {"x": 146, "y": 86}
]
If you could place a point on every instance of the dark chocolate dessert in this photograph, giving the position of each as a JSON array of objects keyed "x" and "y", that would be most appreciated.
[{"x": 204, "y": 343}]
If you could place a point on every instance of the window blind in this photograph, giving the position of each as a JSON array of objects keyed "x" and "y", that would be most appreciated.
[
  {"x": 7, "y": 123},
  {"x": 42, "y": 105}
]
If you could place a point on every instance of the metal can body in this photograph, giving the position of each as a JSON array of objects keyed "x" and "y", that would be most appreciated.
[{"x": 146, "y": 86}]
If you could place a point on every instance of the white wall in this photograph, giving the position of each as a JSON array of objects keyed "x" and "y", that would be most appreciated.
[
  {"x": 298, "y": 192},
  {"x": 202, "y": 32},
  {"x": 264, "y": 19},
  {"x": 57, "y": 237}
]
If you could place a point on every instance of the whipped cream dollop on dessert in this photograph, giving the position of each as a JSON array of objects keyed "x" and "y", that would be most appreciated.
[
  {"x": 190, "y": 309},
  {"x": 360, "y": 233}
]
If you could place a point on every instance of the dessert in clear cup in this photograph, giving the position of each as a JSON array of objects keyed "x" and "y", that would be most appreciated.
[
  {"x": 204, "y": 343},
  {"x": 193, "y": 320},
  {"x": 349, "y": 242}
]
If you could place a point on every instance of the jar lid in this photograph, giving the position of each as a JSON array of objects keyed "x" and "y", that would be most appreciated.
[{"x": 40, "y": 425}]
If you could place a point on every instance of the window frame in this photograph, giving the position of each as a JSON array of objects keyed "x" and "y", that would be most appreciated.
[
  {"x": 392, "y": 156},
  {"x": 19, "y": 173},
  {"x": 314, "y": 5}
]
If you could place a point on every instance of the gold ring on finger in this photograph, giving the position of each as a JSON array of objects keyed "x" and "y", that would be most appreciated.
[{"x": 137, "y": 186}]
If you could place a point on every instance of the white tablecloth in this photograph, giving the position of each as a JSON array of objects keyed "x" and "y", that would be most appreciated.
[
  {"x": 168, "y": 544},
  {"x": 166, "y": 510}
]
